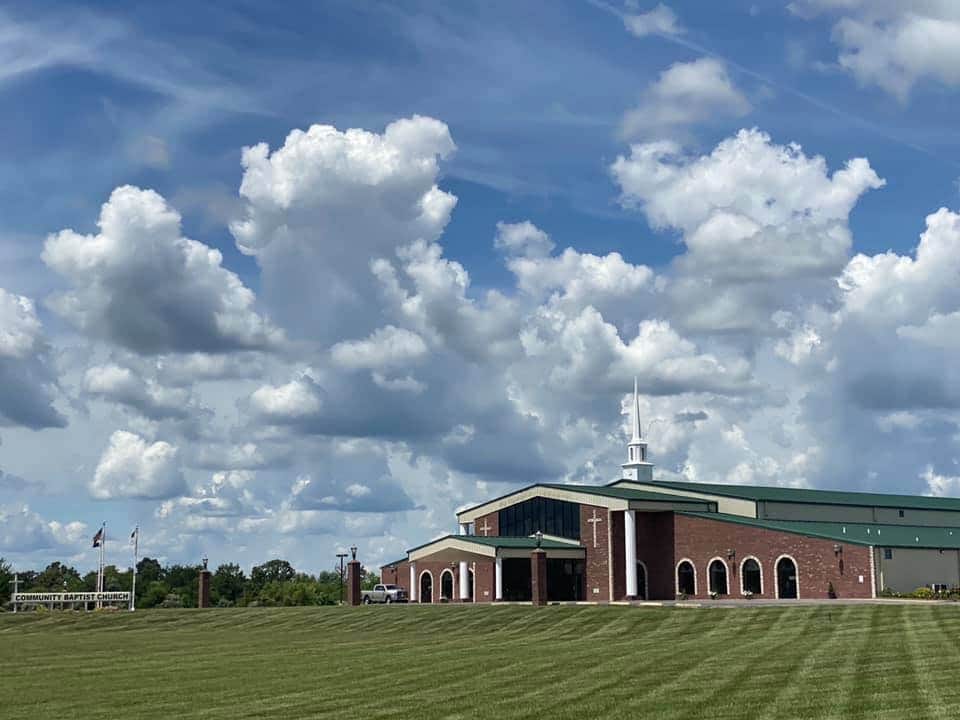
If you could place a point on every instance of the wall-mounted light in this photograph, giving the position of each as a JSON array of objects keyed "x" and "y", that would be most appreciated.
[
  {"x": 353, "y": 552},
  {"x": 837, "y": 549},
  {"x": 539, "y": 536},
  {"x": 731, "y": 554}
]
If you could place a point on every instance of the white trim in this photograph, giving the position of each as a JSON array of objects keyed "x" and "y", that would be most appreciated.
[
  {"x": 646, "y": 580},
  {"x": 726, "y": 571},
  {"x": 776, "y": 575},
  {"x": 453, "y": 584},
  {"x": 433, "y": 593},
  {"x": 873, "y": 572},
  {"x": 725, "y": 503},
  {"x": 676, "y": 575},
  {"x": 575, "y": 496},
  {"x": 609, "y": 556},
  {"x": 759, "y": 564},
  {"x": 414, "y": 581},
  {"x": 459, "y": 544},
  {"x": 498, "y": 579},
  {"x": 630, "y": 553}
]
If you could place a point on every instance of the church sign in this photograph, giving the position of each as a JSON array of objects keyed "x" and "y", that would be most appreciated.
[{"x": 75, "y": 597}]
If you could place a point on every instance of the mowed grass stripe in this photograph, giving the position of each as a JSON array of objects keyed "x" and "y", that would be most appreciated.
[{"x": 485, "y": 662}]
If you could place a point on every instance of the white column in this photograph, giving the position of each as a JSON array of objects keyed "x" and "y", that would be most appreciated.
[
  {"x": 413, "y": 582},
  {"x": 630, "y": 553},
  {"x": 463, "y": 528},
  {"x": 498, "y": 580},
  {"x": 464, "y": 581}
]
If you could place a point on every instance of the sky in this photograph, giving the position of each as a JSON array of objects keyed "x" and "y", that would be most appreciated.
[{"x": 275, "y": 282}]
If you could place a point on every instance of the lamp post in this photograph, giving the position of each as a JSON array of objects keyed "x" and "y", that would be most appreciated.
[
  {"x": 342, "y": 556},
  {"x": 539, "y": 536}
]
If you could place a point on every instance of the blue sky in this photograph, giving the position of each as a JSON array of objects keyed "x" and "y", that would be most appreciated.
[{"x": 540, "y": 101}]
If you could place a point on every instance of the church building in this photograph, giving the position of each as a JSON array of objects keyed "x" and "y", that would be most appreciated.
[{"x": 639, "y": 539}]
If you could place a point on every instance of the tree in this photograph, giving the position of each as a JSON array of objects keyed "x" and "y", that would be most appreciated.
[
  {"x": 182, "y": 581},
  {"x": 6, "y": 578},
  {"x": 271, "y": 571},
  {"x": 57, "y": 577},
  {"x": 148, "y": 571},
  {"x": 228, "y": 585},
  {"x": 154, "y": 594}
]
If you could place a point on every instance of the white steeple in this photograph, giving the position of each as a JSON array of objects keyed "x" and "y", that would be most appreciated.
[{"x": 637, "y": 468}]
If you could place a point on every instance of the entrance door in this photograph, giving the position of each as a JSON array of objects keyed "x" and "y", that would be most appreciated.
[
  {"x": 426, "y": 588},
  {"x": 786, "y": 579},
  {"x": 446, "y": 586},
  {"x": 641, "y": 581},
  {"x": 516, "y": 579}
]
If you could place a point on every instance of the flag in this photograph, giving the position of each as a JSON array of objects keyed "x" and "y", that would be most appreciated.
[
  {"x": 98, "y": 538},
  {"x": 133, "y": 536}
]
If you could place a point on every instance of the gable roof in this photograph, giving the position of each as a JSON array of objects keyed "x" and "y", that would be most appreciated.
[
  {"x": 618, "y": 498},
  {"x": 822, "y": 497},
  {"x": 876, "y": 534}
]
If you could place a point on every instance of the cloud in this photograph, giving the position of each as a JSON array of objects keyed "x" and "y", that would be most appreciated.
[
  {"x": 23, "y": 531},
  {"x": 130, "y": 467},
  {"x": 300, "y": 398},
  {"x": 387, "y": 347},
  {"x": 522, "y": 239},
  {"x": 121, "y": 385},
  {"x": 317, "y": 210},
  {"x": 142, "y": 285},
  {"x": 894, "y": 45},
  {"x": 28, "y": 382},
  {"x": 685, "y": 94},
  {"x": 764, "y": 225},
  {"x": 661, "y": 20}
]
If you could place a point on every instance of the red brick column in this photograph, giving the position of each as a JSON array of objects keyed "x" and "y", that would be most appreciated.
[
  {"x": 538, "y": 576},
  {"x": 203, "y": 591},
  {"x": 353, "y": 583}
]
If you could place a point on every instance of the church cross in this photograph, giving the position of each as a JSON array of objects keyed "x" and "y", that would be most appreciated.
[
  {"x": 485, "y": 527},
  {"x": 593, "y": 521}
]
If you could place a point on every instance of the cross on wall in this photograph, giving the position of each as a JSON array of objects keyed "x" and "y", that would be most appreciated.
[
  {"x": 593, "y": 521},
  {"x": 485, "y": 528}
]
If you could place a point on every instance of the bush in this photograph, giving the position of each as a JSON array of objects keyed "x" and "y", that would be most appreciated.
[
  {"x": 923, "y": 593},
  {"x": 172, "y": 600}
]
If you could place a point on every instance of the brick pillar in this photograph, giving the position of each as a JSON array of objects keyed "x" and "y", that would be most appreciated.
[
  {"x": 203, "y": 592},
  {"x": 538, "y": 576},
  {"x": 353, "y": 583}
]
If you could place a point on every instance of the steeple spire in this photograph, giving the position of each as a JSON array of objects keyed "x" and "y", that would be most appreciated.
[
  {"x": 637, "y": 468},
  {"x": 636, "y": 414}
]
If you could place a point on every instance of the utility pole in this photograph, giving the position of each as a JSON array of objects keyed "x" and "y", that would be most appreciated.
[{"x": 341, "y": 556}]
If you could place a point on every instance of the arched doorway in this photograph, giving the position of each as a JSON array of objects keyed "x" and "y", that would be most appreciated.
[
  {"x": 641, "y": 581},
  {"x": 686, "y": 578},
  {"x": 787, "y": 586},
  {"x": 470, "y": 584},
  {"x": 446, "y": 586},
  {"x": 426, "y": 587},
  {"x": 717, "y": 574}
]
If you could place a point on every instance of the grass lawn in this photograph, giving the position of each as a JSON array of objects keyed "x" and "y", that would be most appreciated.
[{"x": 485, "y": 662}]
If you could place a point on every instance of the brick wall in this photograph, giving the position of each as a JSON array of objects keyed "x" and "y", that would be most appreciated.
[
  {"x": 655, "y": 549},
  {"x": 492, "y": 522},
  {"x": 701, "y": 540},
  {"x": 597, "y": 567}
]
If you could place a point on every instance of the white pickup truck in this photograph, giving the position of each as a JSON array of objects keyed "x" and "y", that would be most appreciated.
[{"x": 384, "y": 594}]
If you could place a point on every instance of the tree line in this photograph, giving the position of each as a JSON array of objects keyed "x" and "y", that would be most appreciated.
[{"x": 274, "y": 583}]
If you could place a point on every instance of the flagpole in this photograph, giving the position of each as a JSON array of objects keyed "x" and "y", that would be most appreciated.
[
  {"x": 103, "y": 543},
  {"x": 136, "y": 547}
]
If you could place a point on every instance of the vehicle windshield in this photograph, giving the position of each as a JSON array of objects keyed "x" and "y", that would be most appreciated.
[{"x": 391, "y": 587}]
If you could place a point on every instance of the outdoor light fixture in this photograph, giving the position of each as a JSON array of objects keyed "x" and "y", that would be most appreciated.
[
  {"x": 837, "y": 549},
  {"x": 204, "y": 563},
  {"x": 539, "y": 536},
  {"x": 353, "y": 552},
  {"x": 731, "y": 553}
]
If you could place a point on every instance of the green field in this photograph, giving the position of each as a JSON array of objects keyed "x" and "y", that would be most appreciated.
[{"x": 485, "y": 662}]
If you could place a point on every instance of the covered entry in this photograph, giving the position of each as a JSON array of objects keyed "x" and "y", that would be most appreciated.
[
  {"x": 426, "y": 587},
  {"x": 787, "y": 586}
]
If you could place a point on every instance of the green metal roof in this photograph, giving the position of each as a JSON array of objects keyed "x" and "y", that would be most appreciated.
[
  {"x": 506, "y": 541},
  {"x": 823, "y": 497},
  {"x": 894, "y": 536},
  {"x": 393, "y": 562}
]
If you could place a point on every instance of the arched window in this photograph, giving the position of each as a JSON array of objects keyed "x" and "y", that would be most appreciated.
[
  {"x": 426, "y": 587},
  {"x": 717, "y": 574},
  {"x": 446, "y": 586},
  {"x": 788, "y": 588},
  {"x": 751, "y": 577},
  {"x": 686, "y": 578}
]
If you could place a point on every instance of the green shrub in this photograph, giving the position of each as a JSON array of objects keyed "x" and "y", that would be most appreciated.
[{"x": 923, "y": 593}]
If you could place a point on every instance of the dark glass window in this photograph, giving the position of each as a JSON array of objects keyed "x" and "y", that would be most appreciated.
[
  {"x": 686, "y": 582},
  {"x": 751, "y": 576},
  {"x": 887, "y": 554},
  {"x": 901, "y": 513},
  {"x": 551, "y": 517},
  {"x": 718, "y": 577}
]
